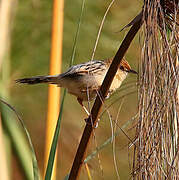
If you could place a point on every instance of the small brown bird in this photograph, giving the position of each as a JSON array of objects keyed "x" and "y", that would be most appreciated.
[{"x": 84, "y": 80}]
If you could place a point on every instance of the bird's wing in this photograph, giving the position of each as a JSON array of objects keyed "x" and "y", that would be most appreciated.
[{"x": 90, "y": 67}]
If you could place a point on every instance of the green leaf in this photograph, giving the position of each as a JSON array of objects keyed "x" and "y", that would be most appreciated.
[
  {"x": 50, "y": 164},
  {"x": 34, "y": 160}
]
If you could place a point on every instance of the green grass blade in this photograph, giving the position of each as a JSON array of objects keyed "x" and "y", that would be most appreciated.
[
  {"x": 49, "y": 169},
  {"x": 50, "y": 164},
  {"x": 77, "y": 34},
  {"x": 34, "y": 160}
]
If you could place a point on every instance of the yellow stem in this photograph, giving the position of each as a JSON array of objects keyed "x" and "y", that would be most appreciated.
[
  {"x": 88, "y": 171},
  {"x": 55, "y": 68}
]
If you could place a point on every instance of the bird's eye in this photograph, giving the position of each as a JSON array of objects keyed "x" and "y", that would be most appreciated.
[{"x": 122, "y": 68}]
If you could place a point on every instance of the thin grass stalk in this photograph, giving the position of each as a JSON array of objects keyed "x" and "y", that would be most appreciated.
[
  {"x": 109, "y": 140},
  {"x": 88, "y": 171},
  {"x": 55, "y": 68},
  {"x": 100, "y": 29}
]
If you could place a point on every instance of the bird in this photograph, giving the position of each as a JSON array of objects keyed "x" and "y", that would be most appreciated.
[{"x": 84, "y": 80}]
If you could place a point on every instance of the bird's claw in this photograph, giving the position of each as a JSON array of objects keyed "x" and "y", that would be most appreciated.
[{"x": 89, "y": 122}]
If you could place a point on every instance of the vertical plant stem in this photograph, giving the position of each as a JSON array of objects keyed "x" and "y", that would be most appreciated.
[
  {"x": 55, "y": 68},
  {"x": 50, "y": 165},
  {"x": 88, "y": 171},
  {"x": 48, "y": 172},
  {"x": 82, "y": 148}
]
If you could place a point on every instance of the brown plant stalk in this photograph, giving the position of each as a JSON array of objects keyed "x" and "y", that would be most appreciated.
[{"x": 92, "y": 119}]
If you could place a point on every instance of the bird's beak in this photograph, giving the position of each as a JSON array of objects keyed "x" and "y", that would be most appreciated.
[{"x": 132, "y": 71}]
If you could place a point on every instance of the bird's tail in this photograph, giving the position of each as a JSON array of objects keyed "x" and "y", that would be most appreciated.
[{"x": 39, "y": 79}]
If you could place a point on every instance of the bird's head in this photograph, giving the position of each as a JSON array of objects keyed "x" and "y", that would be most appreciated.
[{"x": 124, "y": 66}]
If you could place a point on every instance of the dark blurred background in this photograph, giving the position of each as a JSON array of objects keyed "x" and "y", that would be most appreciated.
[{"x": 29, "y": 56}]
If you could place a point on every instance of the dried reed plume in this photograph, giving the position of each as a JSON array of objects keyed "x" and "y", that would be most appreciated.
[{"x": 156, "y": 153}]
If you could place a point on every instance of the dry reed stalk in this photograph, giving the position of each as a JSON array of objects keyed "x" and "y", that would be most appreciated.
[
  {"x": 156, "y": 152},
  {"x": 55, "y": 68}
]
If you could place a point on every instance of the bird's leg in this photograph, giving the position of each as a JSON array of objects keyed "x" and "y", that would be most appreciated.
[{"x": 80, "y": 101}]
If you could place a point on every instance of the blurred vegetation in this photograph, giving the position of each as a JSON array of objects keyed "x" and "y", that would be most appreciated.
[{"x": 30, "y": 51}]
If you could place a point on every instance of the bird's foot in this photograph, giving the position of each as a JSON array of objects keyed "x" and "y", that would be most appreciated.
[{"x": 89, "y": 122}]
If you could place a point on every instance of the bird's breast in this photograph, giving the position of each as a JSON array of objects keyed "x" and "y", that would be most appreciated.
[{"x": 117, "y": 81}]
